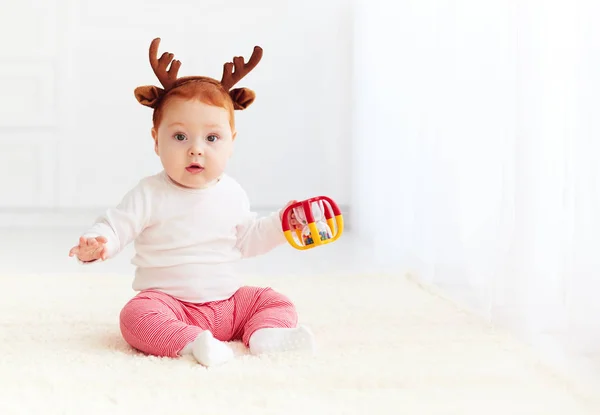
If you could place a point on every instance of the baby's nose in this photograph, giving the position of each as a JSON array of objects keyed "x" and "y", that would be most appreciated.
[{"x": 195, "y": 150}]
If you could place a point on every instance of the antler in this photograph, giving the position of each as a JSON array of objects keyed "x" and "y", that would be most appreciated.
[
  {"x": 230, "y": 78},
  {"x": 166, "y": 78}
]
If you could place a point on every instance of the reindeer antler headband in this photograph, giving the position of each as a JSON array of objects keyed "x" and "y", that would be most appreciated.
[{"x": 150, "y": 95}]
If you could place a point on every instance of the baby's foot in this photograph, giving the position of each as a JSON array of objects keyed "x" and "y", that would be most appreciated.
[
  {"x": 209, "y": 351},
  {"x": 274, "y": 340}
]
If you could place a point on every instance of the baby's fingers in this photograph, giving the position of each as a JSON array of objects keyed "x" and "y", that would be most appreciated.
[{"x": 74, "y": 251}]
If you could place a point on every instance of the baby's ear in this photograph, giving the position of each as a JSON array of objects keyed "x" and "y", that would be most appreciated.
[
  {"x": 242, "y": 98},
  {"x": 154, "y": 134},
  {"x": 148, "y": 95}
]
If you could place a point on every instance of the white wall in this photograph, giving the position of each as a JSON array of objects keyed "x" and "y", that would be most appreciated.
[
  {"x": 71, "y": 130},
  {"x": 435, "y": 88},
  {"x": 477, "y": 152}
]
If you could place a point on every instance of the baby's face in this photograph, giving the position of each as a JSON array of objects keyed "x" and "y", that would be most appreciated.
[{"x": 194, "y": 142}]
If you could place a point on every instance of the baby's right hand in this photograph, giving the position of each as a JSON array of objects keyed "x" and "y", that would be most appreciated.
[{"x": 90, "y": 249}]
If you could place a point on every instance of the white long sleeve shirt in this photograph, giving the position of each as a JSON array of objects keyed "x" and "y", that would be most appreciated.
[{"x": 187, "y": 241}]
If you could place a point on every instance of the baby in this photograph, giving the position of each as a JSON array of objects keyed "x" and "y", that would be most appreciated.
[{"x": 189, "y": 224}]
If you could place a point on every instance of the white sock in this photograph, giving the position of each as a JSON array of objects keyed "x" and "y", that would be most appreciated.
[
  {"x": 274, "y": 340},
  {"x": 187, "y": 349},
  {"x": 209, "y": 351}
]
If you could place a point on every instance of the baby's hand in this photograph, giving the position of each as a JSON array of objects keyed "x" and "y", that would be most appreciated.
[
  {"x": 295, "y": 224},
  {"x": 90, "y": 249}
]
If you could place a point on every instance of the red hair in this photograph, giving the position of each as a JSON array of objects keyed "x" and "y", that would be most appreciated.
[{"x": 206, "y": 92}]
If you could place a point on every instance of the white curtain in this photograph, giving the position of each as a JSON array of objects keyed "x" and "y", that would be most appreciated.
[{"x": 477, "y": 157}]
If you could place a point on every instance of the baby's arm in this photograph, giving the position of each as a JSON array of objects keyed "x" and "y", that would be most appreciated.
[
  {"x": 116, "y": 228},
  {"x": 257, "y": 236}
]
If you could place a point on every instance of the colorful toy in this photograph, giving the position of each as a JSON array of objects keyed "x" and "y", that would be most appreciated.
[{"x": 321, "y": 219}]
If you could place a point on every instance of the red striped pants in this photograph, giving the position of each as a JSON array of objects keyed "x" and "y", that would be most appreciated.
[{"x": 158, "y": 324}]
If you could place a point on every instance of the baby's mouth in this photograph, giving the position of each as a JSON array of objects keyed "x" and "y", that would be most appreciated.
[{"x": 194, "y": 168}]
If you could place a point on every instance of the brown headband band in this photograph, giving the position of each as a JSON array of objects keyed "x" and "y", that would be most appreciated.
[{"x": 150, "y": 95}]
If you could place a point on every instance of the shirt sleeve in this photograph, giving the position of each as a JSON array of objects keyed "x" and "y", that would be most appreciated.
[
  {"x": 257, "y": 236},
  {"x": 120, "y": 225}
]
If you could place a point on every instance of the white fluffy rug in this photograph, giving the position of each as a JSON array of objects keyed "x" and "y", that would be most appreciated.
[{"x": 386, "y": 346}]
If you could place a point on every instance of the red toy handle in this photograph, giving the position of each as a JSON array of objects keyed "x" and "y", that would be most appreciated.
[
  {"x": 285, "y": 222},
  {"x": 308, "y": 211}
]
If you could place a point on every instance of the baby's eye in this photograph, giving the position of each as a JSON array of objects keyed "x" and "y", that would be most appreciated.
[
  {"x": 179, "y": 137},
  {"x": 212, "y": 138}
]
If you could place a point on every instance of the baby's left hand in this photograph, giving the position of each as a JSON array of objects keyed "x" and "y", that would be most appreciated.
[{"x": 295, "y": 224}]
